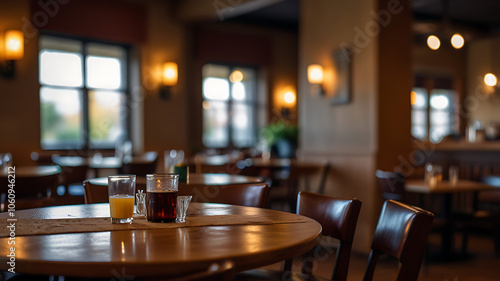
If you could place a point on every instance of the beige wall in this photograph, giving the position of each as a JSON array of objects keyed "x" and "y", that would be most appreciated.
[
  {"x": 19, "y": 102},
  {"x": 163, "y": 122},
  {"x": 482, "y": 102},
  {"x": 348, "y": 135}
]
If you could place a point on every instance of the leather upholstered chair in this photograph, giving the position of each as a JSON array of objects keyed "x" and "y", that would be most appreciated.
[
  {"x": 401, "y": 232},
  {"x": 338, "y": 218},
  {"x": 391, "y": 185},
  {"x": 250, "y": 195}
]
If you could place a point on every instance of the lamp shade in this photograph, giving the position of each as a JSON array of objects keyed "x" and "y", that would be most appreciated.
[
  {"x": 315, "y": 74},
  {"x": 170, "y": 74},
  {"x": 14, "y": 45}
]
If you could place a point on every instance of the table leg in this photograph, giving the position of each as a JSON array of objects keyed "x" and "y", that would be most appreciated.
[{"x": 447, "y": 233}]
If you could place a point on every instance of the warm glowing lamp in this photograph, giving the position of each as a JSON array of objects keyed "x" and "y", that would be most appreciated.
[
  {"x": 457, "y": 41},
  {"x": 170, "y": 75},
  {"x": 289, "y": 98},
  {"x": 315, "y": 74},
  {"x": 490, "y": 79},
  {"x": 433, "y": 42},
  {"x": 13, "y": 50}
]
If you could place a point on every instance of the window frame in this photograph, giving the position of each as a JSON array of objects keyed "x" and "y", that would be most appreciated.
[
  {"x": 125, "y": 72},
  {"x": 253, "y": 104}
]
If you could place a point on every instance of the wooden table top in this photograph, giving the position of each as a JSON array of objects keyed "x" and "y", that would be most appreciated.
[
  {"x": 196, "y": 179},
  {"x": 33, "y": 171},
  {"x": 167, "y": 252},
  {"x": 420, "y": 186}
]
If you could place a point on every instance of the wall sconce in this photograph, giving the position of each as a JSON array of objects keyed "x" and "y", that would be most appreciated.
[
  {"x": 13, "y": 50},
  {"x": 170, "y": 75},
  {"x": 315, "y": 78}
]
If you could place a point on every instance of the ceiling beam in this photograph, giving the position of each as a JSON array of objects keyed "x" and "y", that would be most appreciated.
[{"x": 218, "y": 10}]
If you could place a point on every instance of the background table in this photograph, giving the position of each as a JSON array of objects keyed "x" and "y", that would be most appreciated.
[
  {"x": 166, "y": 252},
  {"x": 447, "y": 190},
  {"x": 195, "y": 180}
]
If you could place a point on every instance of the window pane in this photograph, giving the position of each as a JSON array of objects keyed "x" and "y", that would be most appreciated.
[
  {"x": 419, "y": 132},
  {"x": 61, "y": 117},
  {"x": 440, "y": 118},
  {"x": 437, "y": 133},
  {"x": 215, "y": 88},
  {"x": 215, "y": 124},
  {"x": 60, "y": 68},
  {"x": 107, "y": 113},
  {"x": 419, "y": 117},
  {"x": 242, "y": 124},
  {"x": 419, "y": 98},
  {"x": 104, "y": 73},
  {"x": 243, "y": 84}
]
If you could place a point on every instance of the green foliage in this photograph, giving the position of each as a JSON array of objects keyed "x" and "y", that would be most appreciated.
[{"x": 280, "y": 131}]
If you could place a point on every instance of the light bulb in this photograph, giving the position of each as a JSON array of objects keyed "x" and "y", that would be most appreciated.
[
  {"x": 433, "y": 42},
  {"x": 457, "y": 41},
  {"x": 490, "y": 79}
]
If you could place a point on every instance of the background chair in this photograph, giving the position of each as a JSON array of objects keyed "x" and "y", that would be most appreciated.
[
  {"x": 95, "y": 193},
  {"x": 401, "y": 232},
  {"x": 338, "y": 218},
  {"x": 484, "y": 217},
  {"x": 250, "y": 195},
  {"x": 35, "y": 187},
  {"x": 391, "y": 185}
]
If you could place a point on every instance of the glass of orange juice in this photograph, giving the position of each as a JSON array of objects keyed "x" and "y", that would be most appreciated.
[{"x": 121, "y": 190}]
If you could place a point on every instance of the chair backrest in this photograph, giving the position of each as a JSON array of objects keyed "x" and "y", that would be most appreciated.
[
  {"x": 250, "y": 195},
  {"x": 215, "y": 272},
  {"x": 401, "y": 232},
  {"x": 305, "y": 170},
  {"x": 141, "y": 165},
  {"x": 95, "y": 193},
  {"x": 338, "y": 218},
  {"x": 392, "y": 185}
]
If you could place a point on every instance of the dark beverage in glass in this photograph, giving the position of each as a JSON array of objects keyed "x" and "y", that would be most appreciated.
[{"x": 161, "y": 206}]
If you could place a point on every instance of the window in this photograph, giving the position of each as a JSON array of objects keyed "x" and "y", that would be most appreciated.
[
  {"x": 432, "y": 113},
  {"x": 83, "y": 93},
  {"x": 229, "y": 106}
]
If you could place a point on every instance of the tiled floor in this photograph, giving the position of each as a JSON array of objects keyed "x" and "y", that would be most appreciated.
[{"x": 482, "y": 266}]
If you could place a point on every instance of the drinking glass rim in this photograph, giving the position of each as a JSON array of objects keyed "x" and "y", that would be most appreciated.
[
  {"x": 126, "y": 176},
  {"x": 162, "y": 175}
]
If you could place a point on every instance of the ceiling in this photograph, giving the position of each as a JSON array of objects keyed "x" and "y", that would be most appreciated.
[{"x": 481, "y": 16}]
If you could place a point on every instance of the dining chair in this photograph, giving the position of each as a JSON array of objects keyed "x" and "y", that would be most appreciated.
[
  {"x": 34, "y": 191},
  {"x": 300, "y": 175},
  {"x": 391, "y": 185},
  {"x": 338, "y": 218},
  {"x": 95, "y": 193},
  {"x": 485, "y": 216},
  {"x": 141, "y": 165},
  {"x": 402, "y": 231},
  {"x": 250, "y": 195}
]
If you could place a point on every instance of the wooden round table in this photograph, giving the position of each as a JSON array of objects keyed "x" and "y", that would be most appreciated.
[{"x": 167, "y": 252}]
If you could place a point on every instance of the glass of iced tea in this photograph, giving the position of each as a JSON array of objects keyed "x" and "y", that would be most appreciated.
[
  {"x": 161, "y": 197},
  {"x": 121, "y": 190}
]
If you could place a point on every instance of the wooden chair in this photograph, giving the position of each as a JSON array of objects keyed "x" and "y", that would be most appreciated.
[
  {"x": 338, "y": 218},
  {"x": 485, "y": 215},
  {"x": 391, "y": 185},
  {"x": 95, "y": 193},
  {"x": 35, "y": 190},
  {"x": 250, "y": 195},
  {"x": 141, "y": 165},
  {"x": 299, "y": 178},
  {"x": 401, "y": 232}
]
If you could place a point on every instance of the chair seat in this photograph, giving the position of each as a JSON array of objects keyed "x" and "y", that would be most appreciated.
[{"x": 267, "y": 274}]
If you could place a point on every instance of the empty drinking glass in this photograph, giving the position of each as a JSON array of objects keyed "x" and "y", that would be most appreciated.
[{"x": 182, "y": 207}]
